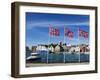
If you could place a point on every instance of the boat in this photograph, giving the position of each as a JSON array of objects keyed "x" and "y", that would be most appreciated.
[
  {"x": 33, "y": 56},
  {"x": 34, "y": 53}
]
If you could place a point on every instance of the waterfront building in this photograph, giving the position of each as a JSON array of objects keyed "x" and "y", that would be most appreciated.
[
  {"x": 27, "y": 48},
  {"x": 51, "y": 48},
  {"x": 57, "y": 48},
  {"x": 65, "y": 48},
  {"x": 41, "y": 47},
  {"x": 34, "y": 48}
]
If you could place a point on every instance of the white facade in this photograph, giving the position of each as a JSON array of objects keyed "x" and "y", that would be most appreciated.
[
  {"x": 41, "y": 47},
  {"x": 51, "y": 48},
  {"x": 57, "y": 48}
]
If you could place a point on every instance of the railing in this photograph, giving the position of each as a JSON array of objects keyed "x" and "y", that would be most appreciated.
[{"x": 61, "y": 57}]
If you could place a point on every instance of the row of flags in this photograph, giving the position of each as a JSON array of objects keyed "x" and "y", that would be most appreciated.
[{"x": 54, "y": 31}]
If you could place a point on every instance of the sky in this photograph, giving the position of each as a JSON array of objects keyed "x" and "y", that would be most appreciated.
[{"x": 37, "y": 28}]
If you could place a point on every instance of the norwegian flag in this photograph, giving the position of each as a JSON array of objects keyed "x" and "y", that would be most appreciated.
[
  {"x": 56, "y": 32},
  {"x": 86, "y": 34},
  {"x": 65, "y": 31},
  {"x": 83, "y": 33},
  {"x": 50, "y": 30},
  {"x": 53, "y": 31},
  {"x": 68, "y": 33}
]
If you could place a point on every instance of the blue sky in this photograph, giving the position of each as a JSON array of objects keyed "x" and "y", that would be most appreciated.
[{"x": 37, "y": 28}]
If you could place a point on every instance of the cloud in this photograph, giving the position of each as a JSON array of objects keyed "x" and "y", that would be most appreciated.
[{"x": 31, "y": 24}]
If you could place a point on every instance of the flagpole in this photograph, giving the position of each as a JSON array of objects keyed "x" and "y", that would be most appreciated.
[
  {"x": 64, "y": 43},
  {"x": 48, "y": 45},
  {"x": 79, "y": 43},
  {"x": 87, "y": 41}
]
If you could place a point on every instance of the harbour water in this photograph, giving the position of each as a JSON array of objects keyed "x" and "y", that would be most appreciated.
[{"x": 45, "y": 57}]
